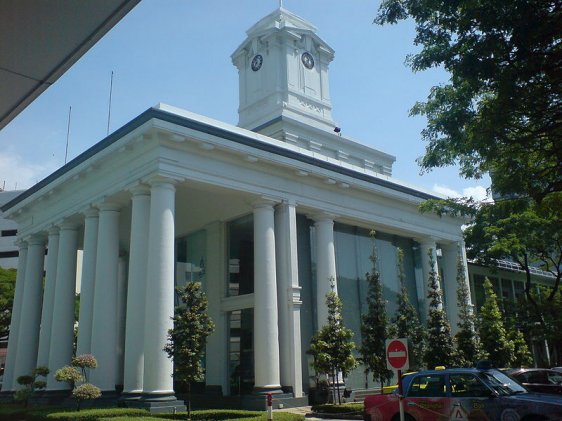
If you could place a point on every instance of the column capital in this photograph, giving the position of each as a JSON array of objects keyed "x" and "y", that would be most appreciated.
[
  {"x": 287, "y": 202},
  {"x": 21, "y": 243},
  {"x": 68, "y": 226},
  {"x": 139, "y": 189},
  {"x": 91, "y": 212},
  {"x": 53, "y": 230},
  {"x": 161, "y": 180},
  {"x": 109, "y": 207},
  {"x": 323, "y": 217},
  {"x": 453, "y": 245},
  {"x": 264, "y": 203},
  {"x": 36, "y": 239}
]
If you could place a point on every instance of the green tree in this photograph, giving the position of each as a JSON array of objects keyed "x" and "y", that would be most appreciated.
[
  {"x": 374, "y": 325},
  {"x": 492, "y": 330},
  {"x": 468, "y": 345},
  {"x": 500, "y": 111},
  {"x": 440, "y": 351},
  {"x": 331, "y": 347},
  {"x": 406, "y": 323},
  {"x": 7, "y": 290},
  {"x": 187, "y": 339},
  {"x": 527, "y": 233}
]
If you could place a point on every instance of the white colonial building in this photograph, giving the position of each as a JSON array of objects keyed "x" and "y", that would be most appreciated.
[{"x": 264, "y": 215}]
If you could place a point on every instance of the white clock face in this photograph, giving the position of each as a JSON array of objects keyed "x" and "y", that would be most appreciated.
[
  {"x": 257, "y": 61},
  {"x": 307, "y": 60}
]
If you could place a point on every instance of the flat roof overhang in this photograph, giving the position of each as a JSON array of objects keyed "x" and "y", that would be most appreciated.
[
  {"x": 42, "y": 39},
  {"x": 230, "y": 133}
]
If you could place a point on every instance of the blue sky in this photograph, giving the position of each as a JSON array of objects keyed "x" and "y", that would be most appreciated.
[{"x": 178, "y": 52}]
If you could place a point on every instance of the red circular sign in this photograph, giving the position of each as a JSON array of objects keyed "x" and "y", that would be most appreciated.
[{"x": 397, "y": 354}]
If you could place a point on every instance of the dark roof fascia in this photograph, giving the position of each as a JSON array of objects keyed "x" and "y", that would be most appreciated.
[
  {"x": 154, "y": 113},
  {"x": 98, "y": 147}
]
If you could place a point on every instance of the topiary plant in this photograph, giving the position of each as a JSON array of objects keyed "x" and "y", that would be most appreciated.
[
  {"x": 30, "y": 384},
  {"x": 85, "y": 392}
]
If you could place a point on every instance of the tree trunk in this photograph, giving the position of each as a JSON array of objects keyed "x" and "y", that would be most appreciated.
[
  {"x": 189, "y": 401},
  {"x": 338, "y": 387}
]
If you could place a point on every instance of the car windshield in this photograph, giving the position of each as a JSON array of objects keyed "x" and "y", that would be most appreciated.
[{"x": 501, "y": 383}]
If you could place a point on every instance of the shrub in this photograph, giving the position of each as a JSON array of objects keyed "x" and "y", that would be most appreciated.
[
  {"x": 84, "y": 361},
  {"x": 96, "y": 414},
  {"x": 68, "y": 374},
  {"x": 86, "y": 391}
]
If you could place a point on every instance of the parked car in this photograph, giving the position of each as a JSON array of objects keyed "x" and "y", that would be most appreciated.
[
  {"x": 559, "y": 369},
  {"x": 542, "y": 380},
  {"x": 463, "y": 393}
]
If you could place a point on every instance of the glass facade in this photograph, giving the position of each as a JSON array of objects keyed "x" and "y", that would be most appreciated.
[
  {"x": 241, "y": 351},
  {"x": 190, "y": 259},
  {"x": 190, "y": 267},
  {"x": 353, "y": 246},
  {"x": 241, "y": 256}
]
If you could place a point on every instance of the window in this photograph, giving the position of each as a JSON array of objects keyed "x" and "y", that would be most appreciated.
[
  {"x": 9, "y": 233},
  {"x": 554, "y": 378},
  {"x": 534, "y": 377},
  {"x": 241, "y": 256},
  {"x": 428, "y": 386},
  {"x": 468, "y": 386}
]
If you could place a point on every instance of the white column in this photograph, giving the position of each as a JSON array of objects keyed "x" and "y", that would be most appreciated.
[
  {"x": 9, "y": 382},
  {"x": 266, "y": 336},
  {"x": 62, "y": 332},
  {"x": 449, "y": 283},
  {"x": 217, "y": 345},
  {"x": 288, "y": 297},
  {"x": 325, "y": 265},
  {"x": 159, "y": 304},
  {"x": 136, "y": 292},
  {"x": 121, "y": 312},
  {"x": 48, "y": 298},
  {"x": 30, "y": 318},
  {"x": 426, "y": 245},
  {"x": 87, "y": 287},
  {"x": 104, "y": 319}
]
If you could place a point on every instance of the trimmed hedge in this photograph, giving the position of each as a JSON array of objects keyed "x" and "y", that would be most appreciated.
[
  {"x": 89, "y": 414},
  {"x": 124, "y": 414}
]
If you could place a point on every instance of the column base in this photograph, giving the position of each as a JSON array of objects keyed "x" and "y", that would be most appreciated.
[
  {"x": 275, "y": 390},
  {"x": 156, "y": 403},
  {"x": 50, "y": 397},
  {"x": 130, "y": 396},
  {"x": 257, "y": 400},
  {"x": 7, "y": 396}
]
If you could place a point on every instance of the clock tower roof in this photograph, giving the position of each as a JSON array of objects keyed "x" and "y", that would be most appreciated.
[
  {"x": 279, "y": 20},
  {"x": 283, "y": 69}
]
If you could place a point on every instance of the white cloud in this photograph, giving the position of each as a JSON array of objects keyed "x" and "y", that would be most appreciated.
[
  {"x": 17, "y": 174},
  {"x": 478, "y": 193}
]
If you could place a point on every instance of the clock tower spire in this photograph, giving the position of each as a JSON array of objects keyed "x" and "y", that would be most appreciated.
[{"x": 283, "y": 77}]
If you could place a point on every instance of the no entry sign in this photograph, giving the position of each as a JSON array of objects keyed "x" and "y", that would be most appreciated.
[{"x": 397, "y": 354}]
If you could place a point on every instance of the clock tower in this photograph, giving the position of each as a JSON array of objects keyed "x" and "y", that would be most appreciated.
[{"x": 283, "y": 71}]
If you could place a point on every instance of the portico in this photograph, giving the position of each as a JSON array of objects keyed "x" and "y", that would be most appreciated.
[{"x": 265, "y": 221}]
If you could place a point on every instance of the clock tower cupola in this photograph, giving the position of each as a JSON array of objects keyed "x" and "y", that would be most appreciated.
[{"x": 283, "y": 76}]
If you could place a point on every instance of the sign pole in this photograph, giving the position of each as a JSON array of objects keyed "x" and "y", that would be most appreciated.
[
  {"x": 400, "y": 396},
  {"x": 397, "y": 358}
]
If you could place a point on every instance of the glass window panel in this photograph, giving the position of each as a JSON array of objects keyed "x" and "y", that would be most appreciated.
[
  {"x": 467, "y": 385},
  {"x": 428, "y": 386},
  {"x": 241, "y": 351},
  {"x": 241, "y": 256}
]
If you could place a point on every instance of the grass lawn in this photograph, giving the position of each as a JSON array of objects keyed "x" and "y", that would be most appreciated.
[{"x": 13, "y": 412}]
